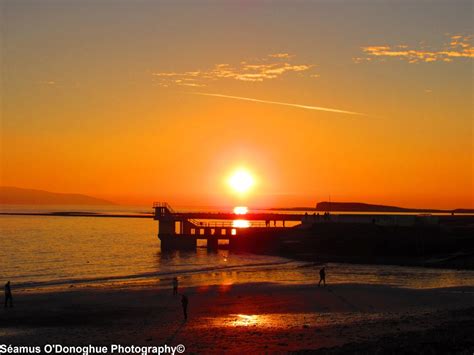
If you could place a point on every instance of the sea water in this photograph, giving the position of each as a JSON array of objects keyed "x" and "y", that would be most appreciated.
[{"x": 44, "y": 252}]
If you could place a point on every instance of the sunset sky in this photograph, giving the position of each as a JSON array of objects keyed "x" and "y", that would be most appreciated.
[{"x": 136, "y": 101}]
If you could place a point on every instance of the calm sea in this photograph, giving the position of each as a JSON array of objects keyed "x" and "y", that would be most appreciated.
[{"x": 45, "y": 252}]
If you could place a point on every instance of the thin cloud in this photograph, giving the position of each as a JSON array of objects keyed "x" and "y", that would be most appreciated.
[
  {"x": 48, "y": 82},
  {"x": 306, "y": 107},
  {"x": 271, "y": 67},
  {"x": 458, "y": 47},
  {"x": 281, "y": 55}
]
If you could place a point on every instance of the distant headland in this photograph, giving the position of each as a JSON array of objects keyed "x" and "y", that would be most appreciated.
[
  {"x": 10, "y": 195},
  {"x": 326, "y": 206}
]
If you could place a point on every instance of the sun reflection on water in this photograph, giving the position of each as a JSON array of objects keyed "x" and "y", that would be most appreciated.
[{"x": 241, "y": 210}]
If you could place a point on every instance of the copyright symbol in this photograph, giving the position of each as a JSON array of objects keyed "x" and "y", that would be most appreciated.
[{"x": 180, "y": 348}]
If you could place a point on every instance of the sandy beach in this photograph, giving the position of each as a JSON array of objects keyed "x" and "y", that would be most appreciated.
[{"x": 260, "y": 317}]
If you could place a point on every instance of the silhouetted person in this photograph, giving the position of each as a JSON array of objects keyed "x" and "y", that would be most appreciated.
[
  {"x": 184, "y": 303},
  {"x": 175, "y": 286},
  {"x": 267, "y": 223},
  {"x": 274, "y": 223},
  {"x": 8, "y": 295},
  {"x": 322, "y": 277}
]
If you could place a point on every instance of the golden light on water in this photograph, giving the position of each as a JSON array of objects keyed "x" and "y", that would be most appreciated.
[
  {"x": 241, "y": 210},
  {"x": 240, "y": 223}
]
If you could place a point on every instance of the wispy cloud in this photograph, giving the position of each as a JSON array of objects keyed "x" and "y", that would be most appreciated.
[
  {"x": 268, "y": 68},
  {"x": 457, "y": 47},
  {"x": 281, "y": 55},
  {"x": 48, "y": 82},
  {"x": 306, "y": 107}
]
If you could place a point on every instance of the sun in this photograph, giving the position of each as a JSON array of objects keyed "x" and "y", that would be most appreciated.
[{"x": 241, "y": 181}]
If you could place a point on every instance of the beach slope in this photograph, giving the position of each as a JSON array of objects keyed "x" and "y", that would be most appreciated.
[{"x": 247, "y": 317}]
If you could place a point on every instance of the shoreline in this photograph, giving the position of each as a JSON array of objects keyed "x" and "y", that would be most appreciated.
[
  {"x": 284, "y": 271},
  {"x": 446, "y": 263},
  {"x": 445, "y": 215},
  {"x": 77, "y": 214}
]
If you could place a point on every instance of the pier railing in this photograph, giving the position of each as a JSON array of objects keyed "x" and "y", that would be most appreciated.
[
  {"x": 228, "y": 224},
  {"x": 217, "y": 220}
]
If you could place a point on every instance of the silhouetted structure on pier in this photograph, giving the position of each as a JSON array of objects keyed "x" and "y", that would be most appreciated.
[
  {"x": 267, "y": 232},
  {"x": 183, "y": 230}
]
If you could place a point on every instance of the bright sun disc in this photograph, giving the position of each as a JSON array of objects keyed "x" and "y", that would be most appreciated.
[{"x": 241, "y": 181}]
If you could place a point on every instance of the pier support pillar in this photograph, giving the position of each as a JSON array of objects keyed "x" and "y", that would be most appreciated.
[
  {"x": 212, "y": 243},
  {"x": 176, "y": 242},
  {"x": 233, "y": 243}
]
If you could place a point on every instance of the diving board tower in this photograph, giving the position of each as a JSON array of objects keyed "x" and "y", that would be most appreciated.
[
  {"x": 164, "y": 214},
  {"x": 170, "y": 227},
  {"x": 179, "y": 231}
]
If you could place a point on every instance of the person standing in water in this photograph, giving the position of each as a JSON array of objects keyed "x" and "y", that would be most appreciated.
[
  {"x": 184, "y": 303},
  {"x": 322, "y": 276},
  {"x": 175, "y": 286},
  {"x": 8, "y": 295}
]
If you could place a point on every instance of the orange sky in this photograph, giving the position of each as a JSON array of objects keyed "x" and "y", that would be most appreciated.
[{"x": 107, "y": 100}]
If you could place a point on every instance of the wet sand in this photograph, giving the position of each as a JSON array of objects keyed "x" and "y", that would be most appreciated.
[{"x": 259, "y": 317}]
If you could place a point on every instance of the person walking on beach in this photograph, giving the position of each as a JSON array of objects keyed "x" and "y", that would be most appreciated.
[
  {"x": 8, "y": 295},
  {"x": 322, "y": 276},
  {"x": 184, "y": 303},
  {"x": 175, "y": 286}
]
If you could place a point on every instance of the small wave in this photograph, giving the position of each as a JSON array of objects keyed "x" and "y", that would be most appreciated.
[{"x": 150, "y": 275}]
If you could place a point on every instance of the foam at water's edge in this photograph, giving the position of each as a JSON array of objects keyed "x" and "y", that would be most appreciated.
[{"x": 152, "y": 275}]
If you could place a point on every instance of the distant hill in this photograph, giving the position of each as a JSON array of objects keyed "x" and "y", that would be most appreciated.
[
  {"x": 10, "y": 195},
  {"x": 366, "y": 207}
]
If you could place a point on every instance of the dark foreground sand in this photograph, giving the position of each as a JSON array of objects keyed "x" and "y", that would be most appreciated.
[{"x": 251, "y": 318}]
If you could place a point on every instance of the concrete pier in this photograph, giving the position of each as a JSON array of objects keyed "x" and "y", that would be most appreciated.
[{"x": 179, "y": 230}]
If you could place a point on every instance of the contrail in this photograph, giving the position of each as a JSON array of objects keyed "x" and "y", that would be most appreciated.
[{"x": 307, "y": 107}]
